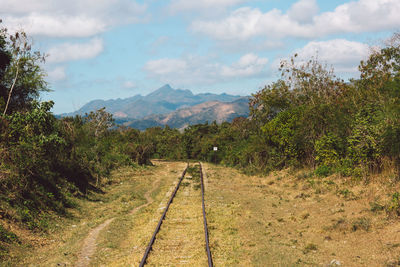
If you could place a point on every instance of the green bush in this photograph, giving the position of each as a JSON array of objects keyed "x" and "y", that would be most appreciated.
[
  {"x": 7, "y": 236},
  {"x": 327, "y": 150},
  {"x": 364, "y": 141},
  {"x": 393, "y": 207},
  {"x": 323, "y": 171}
]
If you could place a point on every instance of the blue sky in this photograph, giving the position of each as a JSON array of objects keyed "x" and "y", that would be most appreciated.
[{"x": 104, "y": 49}]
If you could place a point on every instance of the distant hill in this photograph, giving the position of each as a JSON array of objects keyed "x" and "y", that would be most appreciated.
[
  {"x": 162, "y": 101},
  {"x": 205, "y": 112}
]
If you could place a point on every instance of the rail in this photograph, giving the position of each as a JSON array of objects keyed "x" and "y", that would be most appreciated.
[
  {"x": 153, "y": 238},
  {"x": 209, "y": 256}
]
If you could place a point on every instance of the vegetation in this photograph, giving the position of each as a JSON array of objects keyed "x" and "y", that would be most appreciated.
[
  {"x": 45, "y": 161},
  {"x": 307, "y": 118}
]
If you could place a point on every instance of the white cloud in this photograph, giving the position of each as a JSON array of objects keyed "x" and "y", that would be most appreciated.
[
  {"x": 246, "y": 23},
  {"x": 74, "y": 18},
  {"x": 75, "y": 51},
  {"x": 247, "y": 66},
  {"x": 193, "y": 70},
  {"x": 337, "y": 51},
  {"x": 303, "y": 11},
  {"x": 360, "y": 16},
  {"x": 343, "y": 55},
  {"x": 210, "y": 5},
  {"x": 302, "y": 21},
  {"x": 78, "y": 19},
  {"x": 62, "y": 26},
  {"x": 56, "y": 74}
]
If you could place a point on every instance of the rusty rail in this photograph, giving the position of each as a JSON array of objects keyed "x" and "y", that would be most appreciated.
[
  {"x": 153, "y": 238},
  {"x": 209, "y": 256}
]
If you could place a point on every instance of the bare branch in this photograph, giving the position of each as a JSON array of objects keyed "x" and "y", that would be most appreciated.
[{"x": 11, "y": 89}]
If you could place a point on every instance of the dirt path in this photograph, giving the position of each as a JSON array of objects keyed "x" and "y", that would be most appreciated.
[{"x": 89, "y": 244}]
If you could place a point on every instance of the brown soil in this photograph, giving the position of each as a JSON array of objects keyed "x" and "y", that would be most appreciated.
[{"x": 89, "y": 245}]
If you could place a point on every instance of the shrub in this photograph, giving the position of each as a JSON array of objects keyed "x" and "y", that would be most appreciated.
[
  {"x": 327, "y": 150},
  {"x": 310, "y": 247},
  {"x": 361, "y": 224},
  {"x": 363, "y": 143},
  {"x": 393, "y": 208},
  {"x": 7, "y": 236},
  {"x": 323, "y": 171}
]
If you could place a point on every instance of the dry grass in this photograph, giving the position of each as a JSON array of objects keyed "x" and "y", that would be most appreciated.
[
  {"x": 281, "y": 220},
  {"x": 284, "y": 219},
  {"x": 124, "y": 243},
  {"x": 181, "y": 239},
  {"x": 63, "y": 244}
]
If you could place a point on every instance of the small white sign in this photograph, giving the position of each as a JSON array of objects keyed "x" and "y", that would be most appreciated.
[{"x": 215, "y": 148}]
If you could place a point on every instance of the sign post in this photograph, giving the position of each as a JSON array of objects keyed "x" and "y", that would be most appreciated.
[{"x": 215, "y": 154}]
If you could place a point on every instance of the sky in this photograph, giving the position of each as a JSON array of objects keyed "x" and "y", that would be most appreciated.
[{"x": 108, "y": 49}]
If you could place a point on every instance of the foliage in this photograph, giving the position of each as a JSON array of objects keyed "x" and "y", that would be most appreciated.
[
  {"x": 99, "y": 121},
  {"x": 21, "y": 77},
  {"x": 323, "y": 171},
  {"x": 328, "y": 150},
  {"x": 44, "y": 160},
  {"x": 31, "y": 145},
  {"x": 363, "y": 142},
  {"x": 393, "y": 207},
  {"x": 7, "y": 236},
  {"x": 308, "y": 117}
]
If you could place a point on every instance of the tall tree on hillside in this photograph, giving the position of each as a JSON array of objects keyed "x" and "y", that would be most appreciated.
[{"x": 21, "y": 76}]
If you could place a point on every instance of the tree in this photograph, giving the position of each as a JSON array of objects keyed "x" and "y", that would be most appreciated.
[
  {"x": 21, "y": 76},
  {"x": 308, "y": 102},
  {"x": 379, "y": 85},
  {"x": 100, "y": 121}
]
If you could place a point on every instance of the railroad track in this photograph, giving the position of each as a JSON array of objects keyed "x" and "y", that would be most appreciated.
[{"x": 163, "y": 216}]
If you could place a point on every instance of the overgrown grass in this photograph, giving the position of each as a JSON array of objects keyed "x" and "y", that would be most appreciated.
[{"x": 63, "y": 237}]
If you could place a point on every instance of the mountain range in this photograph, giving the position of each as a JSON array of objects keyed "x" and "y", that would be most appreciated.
[
  {"x": 167, "y": 106},
  {"x": 205, "y": 112}
]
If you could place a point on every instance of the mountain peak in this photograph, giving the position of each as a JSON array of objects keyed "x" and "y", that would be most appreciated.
[
  {"x": 166, "y": 87},
  {"x": 167, "y": 93}
]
